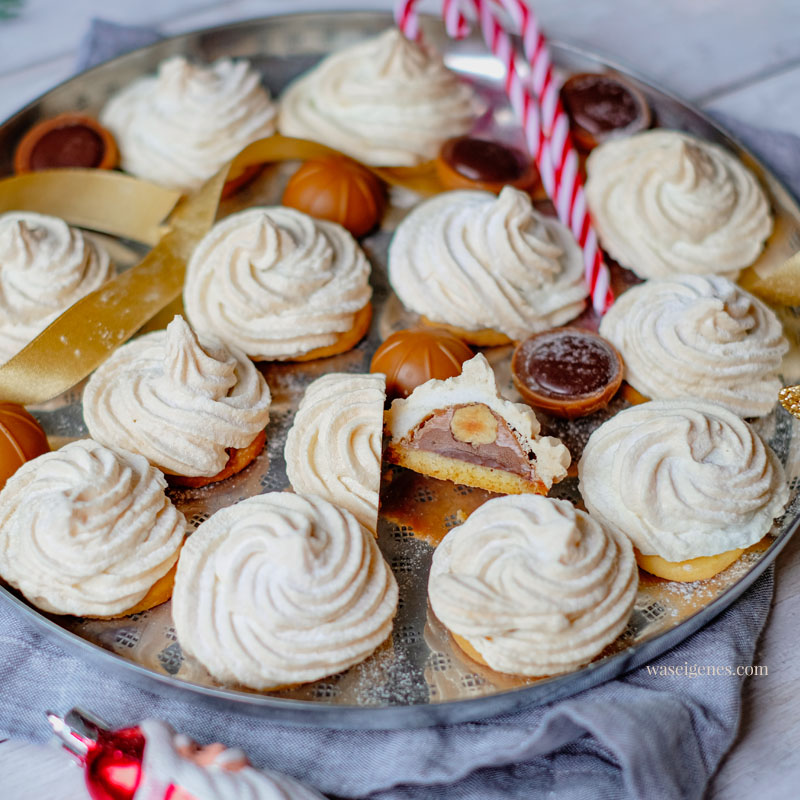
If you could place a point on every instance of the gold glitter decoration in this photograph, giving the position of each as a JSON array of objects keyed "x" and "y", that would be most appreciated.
[{"x": 789, "y": 398}]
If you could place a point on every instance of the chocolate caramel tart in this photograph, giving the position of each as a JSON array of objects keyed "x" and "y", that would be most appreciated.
[
  {"x": 602, "y": 106},
  {"x": 465, "y": 162},
  {"x": 66, "y": 140},
  {"x": 568, "y": 372}
]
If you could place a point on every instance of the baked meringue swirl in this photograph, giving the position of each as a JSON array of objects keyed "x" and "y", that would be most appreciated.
[
  {"x": 178, "y": 400},
  {"x": 699, "y": 336},
  {"x": 86, "y": 530},
  {"x": 536, "y": 586},
  {"x": 666, "y": 203},
  {"x": 45, "y": 267},
  {"x": 282, "y": 589},
  {"x": 682, "y": 478},
  {"x": 473, "y": 260},
  {"x": 387, "y": 101},
  {"x": 333, "y": 448},
  {"x": 179, "y": 127},
  {"x": 276, "y": 283}
]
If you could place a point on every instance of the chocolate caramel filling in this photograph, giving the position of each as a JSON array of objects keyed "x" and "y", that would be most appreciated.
[
  {"x": 471, "y": 440},
  {"x": 70, "y": 146},
  {"x": 567, "y": 364},
  {"x": 600, "y": 104},
  {"x": 483, "y": 160}
]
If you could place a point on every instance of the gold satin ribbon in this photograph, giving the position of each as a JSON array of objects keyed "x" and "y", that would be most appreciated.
[{"x": 85, "y": 335}]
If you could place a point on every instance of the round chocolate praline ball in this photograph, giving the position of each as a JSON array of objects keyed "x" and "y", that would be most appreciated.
[
  {"x": 339, "y": 190},
  {"x": 411, "y": 357},
  {"x": 21, "y": 439},
  {"x": 568, "y": 372}
]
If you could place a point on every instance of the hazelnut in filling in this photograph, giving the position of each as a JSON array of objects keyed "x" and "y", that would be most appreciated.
[{"x": 472, "y": 433}]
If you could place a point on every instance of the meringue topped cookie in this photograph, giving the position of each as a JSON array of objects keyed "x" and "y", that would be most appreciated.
[
  {"x": 474, "y": 261},
  {"x": 333, "y": 448},
  {"x": 699, "y": 336},
  {"x": 682, "y": 479},
  {"x": 180, "y": 400},
  {"x": 387, "y": 101},
  {"x": 86, "y": 530},
  {"x": 532, "y": 586},
  {"x": 279, "y": 285},
  {"x": 665, "y": 203},
  {"x": 45, "y": 267},
  {"x": 282, "y": 589},
  {"x": 462, "y": 430},
  {"x": 179, "y": 127}
]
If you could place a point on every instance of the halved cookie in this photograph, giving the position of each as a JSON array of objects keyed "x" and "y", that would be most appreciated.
[{"x": 464, "y": 431}]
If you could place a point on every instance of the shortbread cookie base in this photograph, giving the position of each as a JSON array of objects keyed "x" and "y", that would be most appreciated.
[
  {"x": 159, "y": 593},
  {"x": 632, "y": 396},
  {"x": 485, "y": 337},
  {"x": 451, "y": 469},
  {"x": 239, "y": 459},
  {"x": 693, "y": 569},
  {"x": 347, "y": 341},
  {"x": 469, "y": 649}
]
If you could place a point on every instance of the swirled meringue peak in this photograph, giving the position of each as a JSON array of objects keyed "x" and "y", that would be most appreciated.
[
  {"x": 45, "y": 267},
  {"x": 682, "y": 478},
  {"x": 387, "y": 101},
  {"x": 665, "y": 203},
  {"x": 699, "y": 336},
  {"x": 179, "y": 127},
  {"x": 534, "y": 585},
  {"x": 333, "y": 448},
  {"x": 86, "y": 530},
  {"x": 473, "y": 260},
  {"x": 179, "y": 400},
  {"x": 276, "y": 283},
  {"x": 282, "y": 589}
]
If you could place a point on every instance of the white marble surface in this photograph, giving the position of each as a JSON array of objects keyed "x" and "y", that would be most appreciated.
[{"x": 737, "y": 56}]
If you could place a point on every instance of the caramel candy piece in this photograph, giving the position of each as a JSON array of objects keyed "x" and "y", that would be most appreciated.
[
  {"x": 469, "y": 163},
  {"x": 411, "y": 357},
  {"x": 67, "y": 140},
  {"x": 568, "y": 372},
  {"x": 602, "y": 105},
  {"x": 339, "y": 190},
  {"x": 21, "y": 439}
]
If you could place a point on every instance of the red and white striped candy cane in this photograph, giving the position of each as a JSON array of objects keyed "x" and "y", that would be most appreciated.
[
  {"x": 570, "y": 198},
  {"x": 406, "y": 18},
  {"x": 544, "y": 122}
]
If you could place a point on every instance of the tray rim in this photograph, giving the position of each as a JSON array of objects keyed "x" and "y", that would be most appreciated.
[{"x": 308, "y": 713}]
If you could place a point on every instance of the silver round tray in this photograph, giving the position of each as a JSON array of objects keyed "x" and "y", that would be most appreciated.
[{"x": 419, "y": 677}]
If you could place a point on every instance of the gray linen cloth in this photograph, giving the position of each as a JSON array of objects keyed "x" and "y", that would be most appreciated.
[{"x": 640, "y": 736}]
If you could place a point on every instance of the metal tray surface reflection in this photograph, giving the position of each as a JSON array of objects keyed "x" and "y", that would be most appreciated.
[{"x": 419, "y": 677}]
